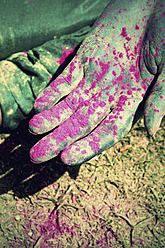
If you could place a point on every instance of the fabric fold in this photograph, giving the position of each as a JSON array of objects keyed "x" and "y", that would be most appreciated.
[{"x": 25, "y": 74}]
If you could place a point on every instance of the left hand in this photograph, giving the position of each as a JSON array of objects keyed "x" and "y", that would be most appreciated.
[{"x": 105, "y": 84}]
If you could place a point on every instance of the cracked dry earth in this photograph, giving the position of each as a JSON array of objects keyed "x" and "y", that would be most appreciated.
[{"x": 114, "y": 200}]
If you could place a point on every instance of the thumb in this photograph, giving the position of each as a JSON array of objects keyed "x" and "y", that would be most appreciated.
[{"x": 154, "y": 108}]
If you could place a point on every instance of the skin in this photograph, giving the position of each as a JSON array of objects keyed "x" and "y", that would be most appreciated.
[
  {"x": 154, "y": 109},
  {"x": 104, "y": 85}
]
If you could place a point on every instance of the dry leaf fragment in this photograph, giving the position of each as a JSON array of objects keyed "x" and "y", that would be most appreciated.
[
  {"x": 3, "y": 137},
  {"x": 126, "y": 147}
]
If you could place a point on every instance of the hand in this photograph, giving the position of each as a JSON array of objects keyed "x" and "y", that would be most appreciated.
[{"x": 103, "y": 85}]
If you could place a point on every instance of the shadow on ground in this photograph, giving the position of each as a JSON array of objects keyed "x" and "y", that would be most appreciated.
[{"x": 19, "y": 174}]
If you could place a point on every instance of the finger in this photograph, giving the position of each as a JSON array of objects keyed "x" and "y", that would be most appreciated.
[
  {"x": 79, "y": 125},
  {"x": 49, "y": 119},
  {"x": 115, "y": 126},
  {"x": 154, "y": 109},
  {"x": 73, "y": 74},
  {"x": 61, "y": 86}
]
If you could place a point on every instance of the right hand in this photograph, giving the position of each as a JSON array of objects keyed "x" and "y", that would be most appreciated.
[{"x": 103, "y": 85}]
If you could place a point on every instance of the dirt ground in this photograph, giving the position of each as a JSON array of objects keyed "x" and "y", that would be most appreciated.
[{"x": 114, "y": 200}]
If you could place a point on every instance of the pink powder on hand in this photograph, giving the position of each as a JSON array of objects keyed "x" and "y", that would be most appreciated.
[
  {"x": 156, "y": 110},
  {"x": 124, "y": 32},
  {"x": 65, "y": 54},
  {"x": 84, "y": 152},
  {"x": 114, "y": 73},
  {"x": 94, "y": 146}
]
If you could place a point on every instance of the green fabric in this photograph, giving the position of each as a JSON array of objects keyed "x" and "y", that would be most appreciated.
[
  {"x": 23, "y": 75},
  {"x": 25, "y": 24},
  {"x": 28, "y": 24}
]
